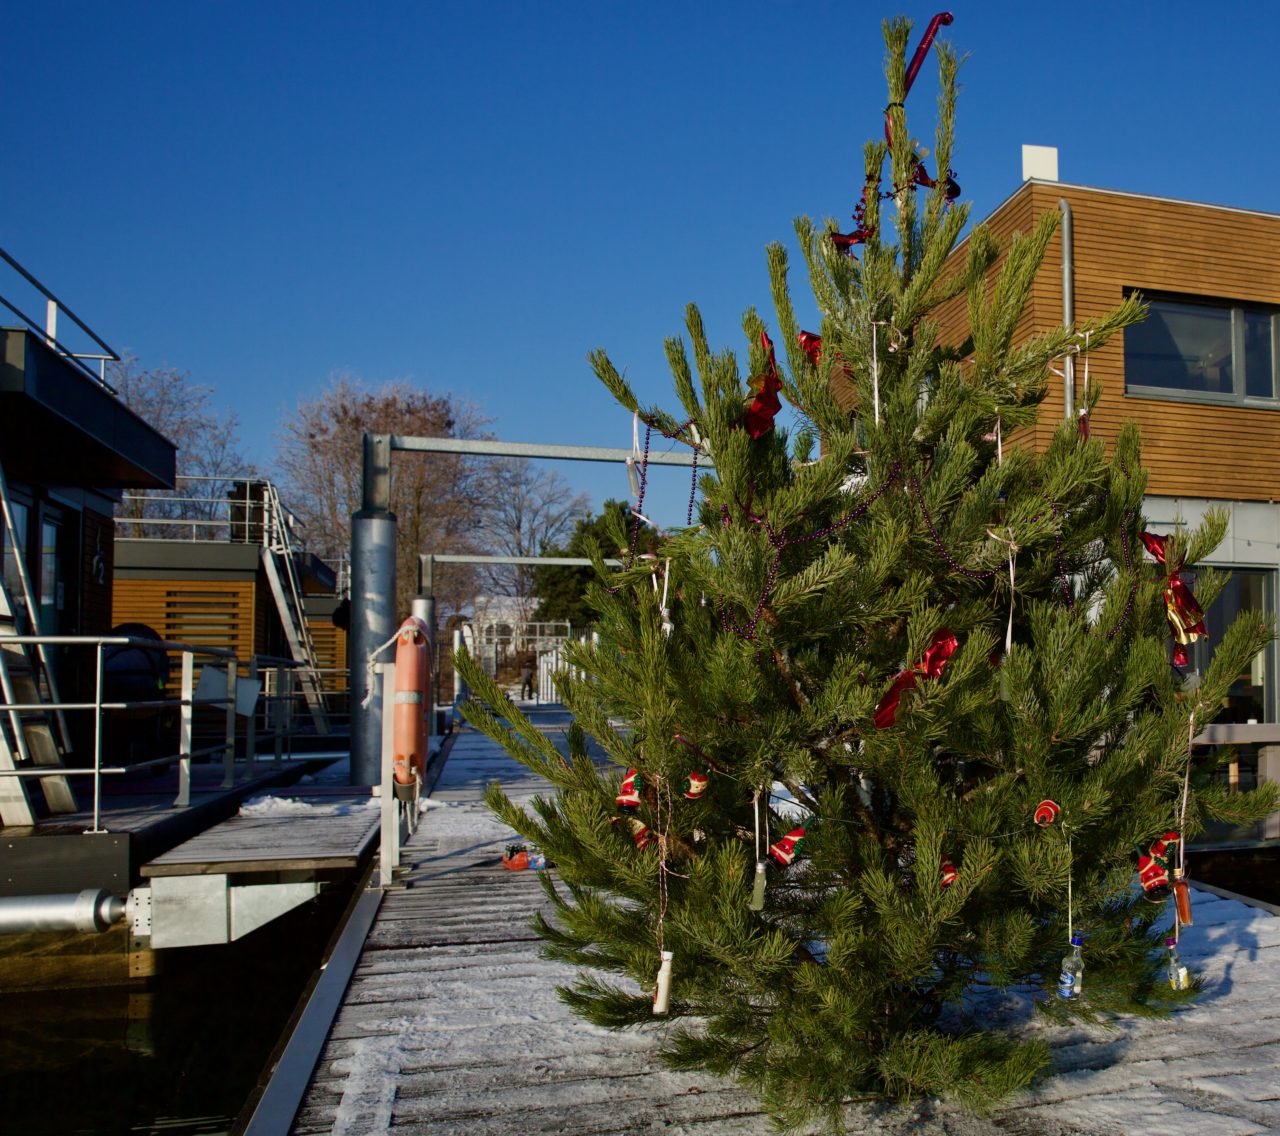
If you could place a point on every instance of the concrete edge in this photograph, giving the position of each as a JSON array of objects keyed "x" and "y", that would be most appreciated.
[{"x": 274, "y": 1112}]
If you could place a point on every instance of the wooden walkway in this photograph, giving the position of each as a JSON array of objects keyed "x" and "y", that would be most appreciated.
[{"x": 451, "y": 1024}]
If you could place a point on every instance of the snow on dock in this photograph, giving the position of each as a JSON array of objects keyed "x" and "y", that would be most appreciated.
[{"x": 451, "y": 1023}]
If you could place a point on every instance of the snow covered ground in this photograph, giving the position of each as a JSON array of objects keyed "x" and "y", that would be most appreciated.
[{"x": 452, "y": 1023}]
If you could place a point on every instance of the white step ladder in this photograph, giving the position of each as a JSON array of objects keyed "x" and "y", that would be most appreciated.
[
  {"x": 27, "y": 736},
  {"x": 286, "y": 587}
]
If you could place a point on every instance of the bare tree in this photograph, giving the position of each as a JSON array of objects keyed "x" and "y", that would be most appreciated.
[
  {"x": 437, "y": 498},
  {"x": 184, "y": 412},
  {"x": 529, "y": 510}
]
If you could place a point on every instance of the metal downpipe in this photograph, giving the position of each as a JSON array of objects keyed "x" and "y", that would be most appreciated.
[{"x": 1068, "y": 307}]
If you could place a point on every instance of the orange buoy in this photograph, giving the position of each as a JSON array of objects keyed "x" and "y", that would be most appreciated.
[{"x": 413, "y": 671}]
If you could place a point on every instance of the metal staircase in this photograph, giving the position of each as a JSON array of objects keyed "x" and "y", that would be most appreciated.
[
  {"x": 30, "y": 735},
  {"x": 286, "y": 587}
]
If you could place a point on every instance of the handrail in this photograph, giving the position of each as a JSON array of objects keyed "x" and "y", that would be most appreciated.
[{"x": 185, "y": 704}]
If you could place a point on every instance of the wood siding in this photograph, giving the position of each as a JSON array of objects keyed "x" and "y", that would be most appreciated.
[
  {"x": 1121, "y": 242},
  {"x": 204, "y": 612},
  {"x": 331, "y": 651}
]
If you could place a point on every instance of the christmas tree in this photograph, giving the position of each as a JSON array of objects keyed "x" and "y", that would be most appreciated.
[{"x": 896, "y": 714}]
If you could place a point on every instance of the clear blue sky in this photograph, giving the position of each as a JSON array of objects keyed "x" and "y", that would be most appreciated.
[{"x": 472, "y": 196}]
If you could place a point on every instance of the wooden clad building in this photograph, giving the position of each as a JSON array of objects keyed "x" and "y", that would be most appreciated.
[{"x": 1200, "y": 376}]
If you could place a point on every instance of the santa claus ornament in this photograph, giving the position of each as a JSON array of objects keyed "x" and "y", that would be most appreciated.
[
  {"x": 629, "y": 797},
  {"x": 1153, "y": 867}
]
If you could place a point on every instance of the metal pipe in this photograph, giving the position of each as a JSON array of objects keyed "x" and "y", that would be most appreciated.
[
  {"x": 474, "y": 447},
  {"x": 92, "y": 910},
  {"x": 373, "y": 620},
  {"x": 1068, "y": 307}
]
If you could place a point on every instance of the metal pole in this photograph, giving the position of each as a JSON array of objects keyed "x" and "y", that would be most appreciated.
[
  {"x": 97, "y": 740},
  {"x": 373, "y": 597},
  {"x": 184, "y": 731},
  {"x": 229, "y": 748},
  {"x": 1068, "y": 306},
  {"x": 251, "y": 722},
  {"x": 389, "y": 850}
]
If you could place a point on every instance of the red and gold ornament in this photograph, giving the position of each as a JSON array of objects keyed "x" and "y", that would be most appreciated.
[
  {"x": 1185, "y": 615},
  {"x": 786, "y": 849},
  {"x": 1047, "y": 813},
  {"x": 931, "y": 666},
  {"x": 949, "y": 873}
]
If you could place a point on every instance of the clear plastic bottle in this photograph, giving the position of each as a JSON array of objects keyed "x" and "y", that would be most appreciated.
[
  {"x": 1178, "y": 977},
  {"x": 1071, "y": 980}
]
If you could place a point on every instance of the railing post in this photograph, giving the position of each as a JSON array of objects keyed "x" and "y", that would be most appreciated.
[
  {"x": 97, "y": 739},
  {"x": 389, "y": 849},
  {"x": 184, "y": 731},
  {"x": 251, "y": 720},
  {"x": 229, "y": 750},
  {"x": 277, "y": 713}
]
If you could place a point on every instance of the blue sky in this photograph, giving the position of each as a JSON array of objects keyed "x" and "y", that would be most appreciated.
[{"x": 472, "y": 196}]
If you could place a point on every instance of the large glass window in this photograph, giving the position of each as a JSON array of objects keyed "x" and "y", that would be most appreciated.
[
  {"x": 1203, "y": 350},
  {"x": 1250, "y": 695}
]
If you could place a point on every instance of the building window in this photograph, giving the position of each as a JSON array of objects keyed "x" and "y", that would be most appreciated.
[
  {"x": 1251, "y": 696},
  {"x": 1203, "y": 351}
]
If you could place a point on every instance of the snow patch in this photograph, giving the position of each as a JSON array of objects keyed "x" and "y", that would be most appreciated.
[{"x": 265, "y": 805}]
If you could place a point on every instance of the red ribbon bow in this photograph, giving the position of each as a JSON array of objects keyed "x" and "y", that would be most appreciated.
[
  {"x": 765, "y": 406},
  {"x": 1185, "y": 615},
  {"x": 951, "y": 187},
  {"x": 935, "y": 658}
]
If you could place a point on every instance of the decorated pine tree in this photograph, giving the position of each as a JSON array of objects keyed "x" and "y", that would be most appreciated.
[{"x": 899, "y": 712}]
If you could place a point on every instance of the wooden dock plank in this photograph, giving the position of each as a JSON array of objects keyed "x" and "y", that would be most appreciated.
[
  {"x": 324, "y": 831},
  {"x": 452, "y": 1024}
]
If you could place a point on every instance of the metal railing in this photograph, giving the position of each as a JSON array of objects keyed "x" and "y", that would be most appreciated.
[
  {"x": 221, "y": 662},
  {"x": 205, "y": 508},
  {"x": 49, "y": 331}
]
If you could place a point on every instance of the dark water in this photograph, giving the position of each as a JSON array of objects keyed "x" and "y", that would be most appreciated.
[{"x": 180, "y": 1055}]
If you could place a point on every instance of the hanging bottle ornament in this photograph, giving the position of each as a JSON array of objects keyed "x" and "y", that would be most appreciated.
[
  {"x": 629, "y": 797},
  {"x": 1153, "y": 867},
  {"x": 1179, "y": 979},
  {"x": 786, "y": 849},
  {"x": 1046, "y": 813},
  {"x": 1182, "y": 898},
  {"x": 757, "y": 890},
  {"x": 1082, "y": 423},
  {"x": 694, "y": 785},
  {"x": 662, "y": 988},
  {"x": 949, "y": 873}
]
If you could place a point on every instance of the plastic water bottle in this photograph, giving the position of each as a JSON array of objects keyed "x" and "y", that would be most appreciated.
[
  {"x": 1178, "y": 978},
  {"x": 1071, "y": 980}
]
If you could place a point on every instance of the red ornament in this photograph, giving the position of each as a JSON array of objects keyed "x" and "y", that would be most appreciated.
[
  {"x": 812, "y": 345},
  {"x": 515, "y": 857},
  {"x": 694, "y": 785},
  {"x": 1082, "y": 423},
  {"x": 759, "y": 417},
  {"x": 1046, "y": 813},
  {"x": 632, "y": 783},
  {"x": 786, "y": 849},
  {"x": 935, "y": 659},
  {"x": 1185, "y": 615},
  {"x": 949, "y": 873},
  {"x": 921, "y": 177},
  {"x": 640, "y": 832},
  {"x": 913, "y": 68},
  {"x": 1153, "y": 867}
]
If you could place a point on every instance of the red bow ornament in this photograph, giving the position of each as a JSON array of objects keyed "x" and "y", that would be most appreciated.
[
  {"x": 951, "y": 188},
  {"x": 1185, "y": 615},
  {"x": 765, "y": 406},
  {"x": 935, "y": 658}
]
